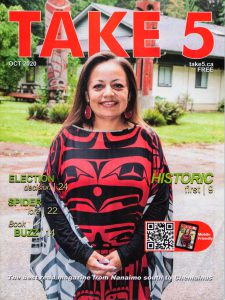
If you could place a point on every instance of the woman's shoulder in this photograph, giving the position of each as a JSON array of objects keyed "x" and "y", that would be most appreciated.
[
  {"x": 62, "y": 135},
  {"x": 148, "y": 133},
  {"x": 153, "y": 142}
]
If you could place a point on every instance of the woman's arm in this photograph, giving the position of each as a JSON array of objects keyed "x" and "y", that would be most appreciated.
[
  {"x": 73, "y": 242},
  {"x": 156, "y": 211},
  {"x": 63, "y": 233},
  {"x": 157, "y": 207}
]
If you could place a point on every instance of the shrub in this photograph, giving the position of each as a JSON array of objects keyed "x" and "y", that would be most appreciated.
[
  {"x": 186, "y": 102},
  {"x": 159, "y": 98},
  {"x": 170, "y": 111},
  {"x": 38, "y": 111},
  {"x": 221, "y": 106},
  {"x": 44, "y": 95},
  {"x": 58, "y": 113},
  {"x": 153, "y": 118},
  {"x": 6, "y": 98},
  {"x": 73, "y": 67}
]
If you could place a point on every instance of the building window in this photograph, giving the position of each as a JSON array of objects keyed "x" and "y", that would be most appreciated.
[
  {"x": 201, "y": 79},
  {"x": 165, "y": 76}
]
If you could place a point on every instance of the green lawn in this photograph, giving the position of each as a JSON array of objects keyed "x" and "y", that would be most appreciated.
[
  {"x": 192, "y": 128},
  {"x": 17, "y": 129},
  {"x": 196, "y": 127}
]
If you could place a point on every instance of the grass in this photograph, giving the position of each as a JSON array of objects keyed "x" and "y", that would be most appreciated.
[
  {"x": 193, "y": 127},
  {"x": 6, "y": 98},
  {"x": 207, "y": 127},
  {"x": 17, "y": 129}
]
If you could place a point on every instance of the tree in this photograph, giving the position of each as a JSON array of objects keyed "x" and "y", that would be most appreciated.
[
  {"x": 190, "y": 5},
  {"x": 175, "y": 8},
  {"x": 180, "y": 8},
  {"x": 79, "y": 5},
  {"x": 10, "y": 75},
  {"x": 215, "y": 6},
  {"x": 72, "y": 73},
  {"x": 38, "y": 29},
  {"x": 163, "y": 6},
  {"x": 221, "y": 19},
  {"x": 126, "y": 4}
]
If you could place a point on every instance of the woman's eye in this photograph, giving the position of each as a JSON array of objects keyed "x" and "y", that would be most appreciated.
[
  {"x": 98, "y": 86},
  {"x": 118, "y": 86}
]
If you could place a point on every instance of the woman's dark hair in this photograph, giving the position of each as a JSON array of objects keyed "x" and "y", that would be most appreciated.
[{"x": 76, "y": 115}]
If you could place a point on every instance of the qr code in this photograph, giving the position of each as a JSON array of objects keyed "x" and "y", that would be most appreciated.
[{"x": 159, "y": 236}]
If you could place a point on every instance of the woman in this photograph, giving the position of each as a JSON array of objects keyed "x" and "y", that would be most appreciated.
[
  {"x": 105, "y": 157},
  {"x": 185, "y": 239}
]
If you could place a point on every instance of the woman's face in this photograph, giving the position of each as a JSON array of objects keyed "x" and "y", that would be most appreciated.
[{"x": 107, "y": 90}]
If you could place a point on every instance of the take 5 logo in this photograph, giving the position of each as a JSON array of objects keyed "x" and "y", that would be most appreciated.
[{"x": 144, "y": 36}]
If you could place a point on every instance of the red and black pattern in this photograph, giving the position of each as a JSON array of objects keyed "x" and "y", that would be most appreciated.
[{"x": 108, "y": 175}]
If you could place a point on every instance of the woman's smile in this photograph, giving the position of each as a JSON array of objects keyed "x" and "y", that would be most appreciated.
[{"x": 108, "y": 104}]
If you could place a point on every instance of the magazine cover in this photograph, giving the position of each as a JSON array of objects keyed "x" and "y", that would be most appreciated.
[{"x": 111, "y": 149}]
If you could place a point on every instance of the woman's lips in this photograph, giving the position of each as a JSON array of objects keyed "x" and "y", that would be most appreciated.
[{"x": 108, "y": 103}]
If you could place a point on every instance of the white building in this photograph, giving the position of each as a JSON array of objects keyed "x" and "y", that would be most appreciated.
[{"x": 175, "y": 77}]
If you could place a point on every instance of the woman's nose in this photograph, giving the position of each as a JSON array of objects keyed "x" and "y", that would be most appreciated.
[{"x": 108, "y": 91}]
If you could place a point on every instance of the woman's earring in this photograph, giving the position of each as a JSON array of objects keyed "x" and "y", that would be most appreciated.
[
  {"x": 128, "y": 114},
  {"x": 88, "y": 112}
]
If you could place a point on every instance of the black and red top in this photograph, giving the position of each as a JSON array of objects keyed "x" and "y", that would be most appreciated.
[{"x": 109, "y": 195}]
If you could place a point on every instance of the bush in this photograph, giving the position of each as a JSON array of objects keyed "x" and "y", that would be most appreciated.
[
  {"x": 6, "y": 98},
  {"x": 153, "y": 118},
  {"x": 38, "y": 111},
  {"x": 221, "y": 106},
  {"x": 58, "y": 113},
  {"x": 44, "y": 95},
  {"x": 186, "y": 102},
  {"x": 159, "y": 98},
  {"x": 72, "y": 73},
  {"x": 170, "y": 111}
]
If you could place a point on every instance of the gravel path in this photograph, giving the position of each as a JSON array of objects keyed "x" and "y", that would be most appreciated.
[{"x": 14, "y": 254}]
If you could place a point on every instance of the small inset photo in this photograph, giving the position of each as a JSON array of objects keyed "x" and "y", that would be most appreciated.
[{"x": 186, "y": 236}]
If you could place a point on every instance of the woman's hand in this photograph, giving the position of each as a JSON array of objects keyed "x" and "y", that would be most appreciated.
[
  {"x": 100, "y": 265},
  {"x": 114, "y": 259}
]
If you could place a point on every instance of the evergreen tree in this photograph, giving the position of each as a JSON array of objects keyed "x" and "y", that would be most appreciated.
[
  {"x": 215, "y": 6},
  {"x": 221, "y": 19}
]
